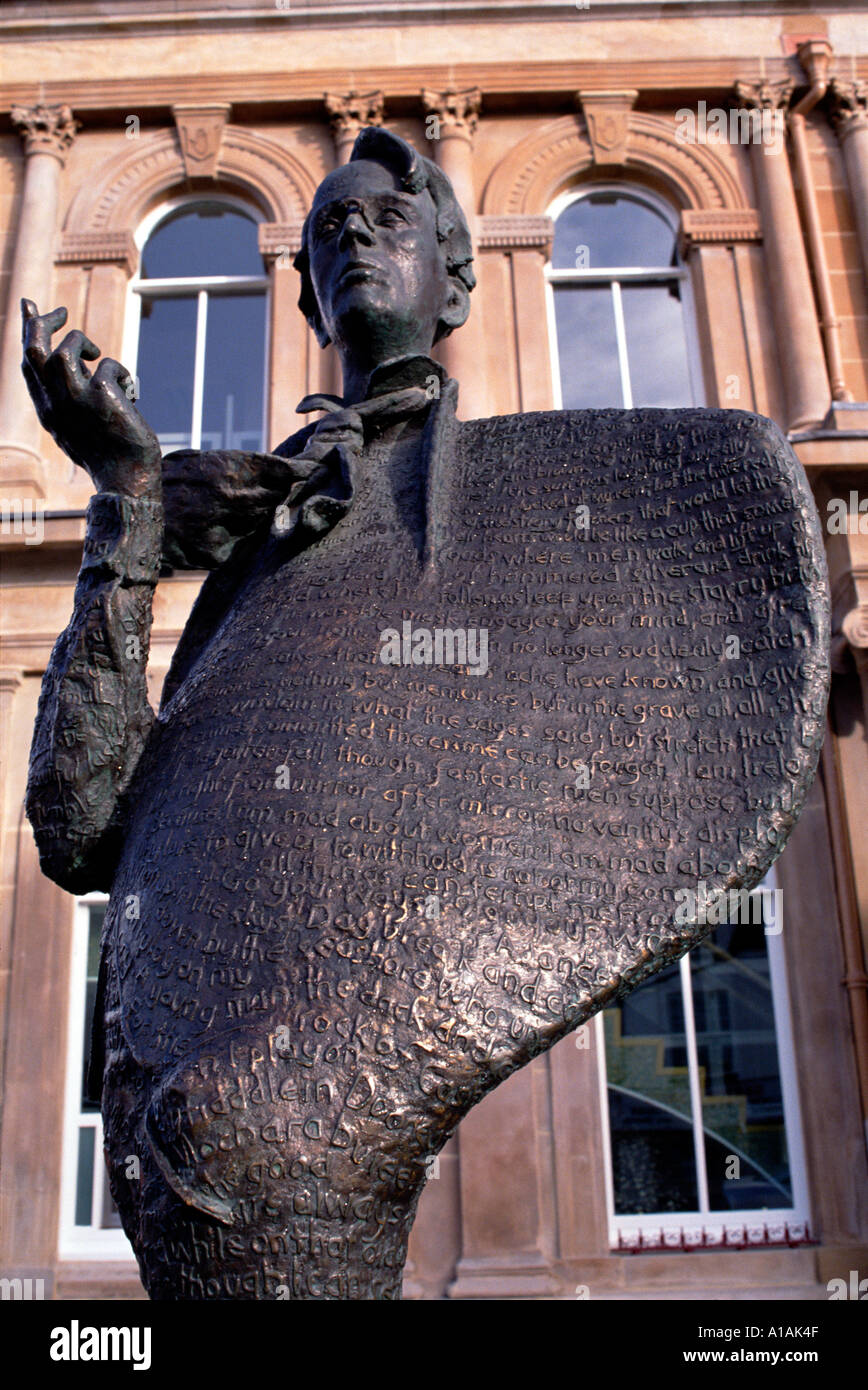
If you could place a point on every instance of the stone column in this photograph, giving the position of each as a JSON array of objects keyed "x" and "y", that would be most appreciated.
[
  {"x": 48, "y": 132},
  {"x": 450, "y": 124},
  {"x": 849, "y": 103},
  {"x": 797, "y": 332},
  {"x": 348, "y": 115}
]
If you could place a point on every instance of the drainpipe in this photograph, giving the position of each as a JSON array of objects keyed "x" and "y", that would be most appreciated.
[{"x": 814, "y": 57}]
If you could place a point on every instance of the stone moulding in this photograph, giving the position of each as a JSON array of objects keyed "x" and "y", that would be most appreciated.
[
  {"x": 137, "y": 178},
  {"x": 512, "y": 232},
  {"x": 720, "y": 225},
  {"x": 541, "y": 165},
  {"x": 88, "y": 248},
  {"x": 279, "y": 239}
]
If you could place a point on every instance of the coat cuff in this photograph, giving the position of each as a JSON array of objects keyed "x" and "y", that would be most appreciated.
[{"x": 123, "y": 539}]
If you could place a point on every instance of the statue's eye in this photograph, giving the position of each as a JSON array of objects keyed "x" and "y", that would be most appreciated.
[
  {"x": 390, "y": 217},
  {"x": 327, "y": 226}
]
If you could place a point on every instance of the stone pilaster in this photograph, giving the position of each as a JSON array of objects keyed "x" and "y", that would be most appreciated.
[
  {"x": 791, "y": 296},
  {"x": 47, "y": 132},
  {"x": 526, "y": 244}
]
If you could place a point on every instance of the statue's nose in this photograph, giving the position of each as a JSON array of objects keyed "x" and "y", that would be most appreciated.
[{"x": 356, "y": 228}]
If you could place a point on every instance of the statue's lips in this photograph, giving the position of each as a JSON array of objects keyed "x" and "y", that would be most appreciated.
[{"x": 360, "y": 271}]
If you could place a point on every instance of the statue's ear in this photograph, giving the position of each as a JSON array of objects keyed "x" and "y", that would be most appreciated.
[{"x": 457, "y": 307}]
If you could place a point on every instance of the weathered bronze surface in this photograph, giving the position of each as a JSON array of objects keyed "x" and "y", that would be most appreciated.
[{"x": 461, "y": 711}]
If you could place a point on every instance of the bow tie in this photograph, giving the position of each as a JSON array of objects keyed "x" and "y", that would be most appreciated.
[{"x": 322, "y": 492}]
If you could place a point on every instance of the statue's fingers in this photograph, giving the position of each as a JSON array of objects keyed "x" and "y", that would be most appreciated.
[
  {"x": 36, "y": 331},
  {"x": 112, "y": 374},
  {"x": 66, "y": 363},
  {"x": 35, "y": 387}
]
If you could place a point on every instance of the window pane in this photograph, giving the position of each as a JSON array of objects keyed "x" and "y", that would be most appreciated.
[
  {"x": 234, "y": 372},
  {"x": 587, "y": 347},
  {"x": 167, "y": 345},
  {"x": 616, "y": 230},
  {"x": 742, "y": 1105},
  {"x": 84, "y": 1177},
  {"x": 205, "y": 240},
  {"x": 653, "y": 1158},
  {"x": 656, "y": 345},
  {"x": 96, "y": 914}
]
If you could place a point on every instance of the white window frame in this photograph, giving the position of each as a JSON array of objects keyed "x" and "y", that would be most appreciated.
[
  {"x": 615, "y": 276},
  {"x": 94, "y": 1242},
  {"x": 186, "y": 286},
  {"x": 689, "y": 1228}
]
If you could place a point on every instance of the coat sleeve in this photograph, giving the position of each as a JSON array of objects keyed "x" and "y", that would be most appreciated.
[
  {"x": 213, "y": 500},
  {"x": 94, "y": 719}
]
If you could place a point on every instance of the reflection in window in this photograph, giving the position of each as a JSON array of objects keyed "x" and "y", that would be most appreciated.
[
  {"x": 201, "y": 343},
  {"x": 702, "y": 1112},
  {"x": 619, "y": 299}
]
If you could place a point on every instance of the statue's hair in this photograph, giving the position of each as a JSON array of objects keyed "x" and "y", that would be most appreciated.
[{"x": 414, "y": 173}]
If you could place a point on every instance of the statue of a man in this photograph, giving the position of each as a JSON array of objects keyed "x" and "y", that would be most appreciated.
[{"x": 449, "y": 736}]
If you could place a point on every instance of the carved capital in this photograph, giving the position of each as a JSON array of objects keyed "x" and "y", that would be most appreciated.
[
  {"x": 763, "y": 95},
  {"x": 455, "y": 113},
  {"x": 351, "y": 113},
  {"x": 200, "y": 136},
  {"x": 45, "y": 129},
  {"x": 848, "y": 106},
  {"x": 607, "y": 116}
]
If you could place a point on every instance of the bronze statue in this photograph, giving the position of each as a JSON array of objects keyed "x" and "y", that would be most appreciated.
[{"x": 462, "y": 713}]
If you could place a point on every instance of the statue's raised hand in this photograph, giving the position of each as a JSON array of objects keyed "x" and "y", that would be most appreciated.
[{"x": 91, "y": 415}]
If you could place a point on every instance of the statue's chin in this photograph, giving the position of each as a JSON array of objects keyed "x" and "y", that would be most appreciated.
[{"x": 370, "y": 328}]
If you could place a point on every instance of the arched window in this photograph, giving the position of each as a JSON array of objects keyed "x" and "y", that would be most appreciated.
[
  {"x": 622, "y": 323},
  {"x": 197, "y": 326}
]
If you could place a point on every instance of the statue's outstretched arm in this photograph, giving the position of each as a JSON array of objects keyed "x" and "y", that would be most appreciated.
[{"x": 94, "y": 718}]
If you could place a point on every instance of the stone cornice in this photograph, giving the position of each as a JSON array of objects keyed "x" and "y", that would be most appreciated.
[
  {"x": 33, "y": 19},
  {"x": 303, "y": 92}
]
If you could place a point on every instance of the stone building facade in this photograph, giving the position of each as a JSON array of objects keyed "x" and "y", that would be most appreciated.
[{"x": 741, "y": 133}]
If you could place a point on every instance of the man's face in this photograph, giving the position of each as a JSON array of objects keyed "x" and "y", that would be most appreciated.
[{"x": 376, "y": 264}]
